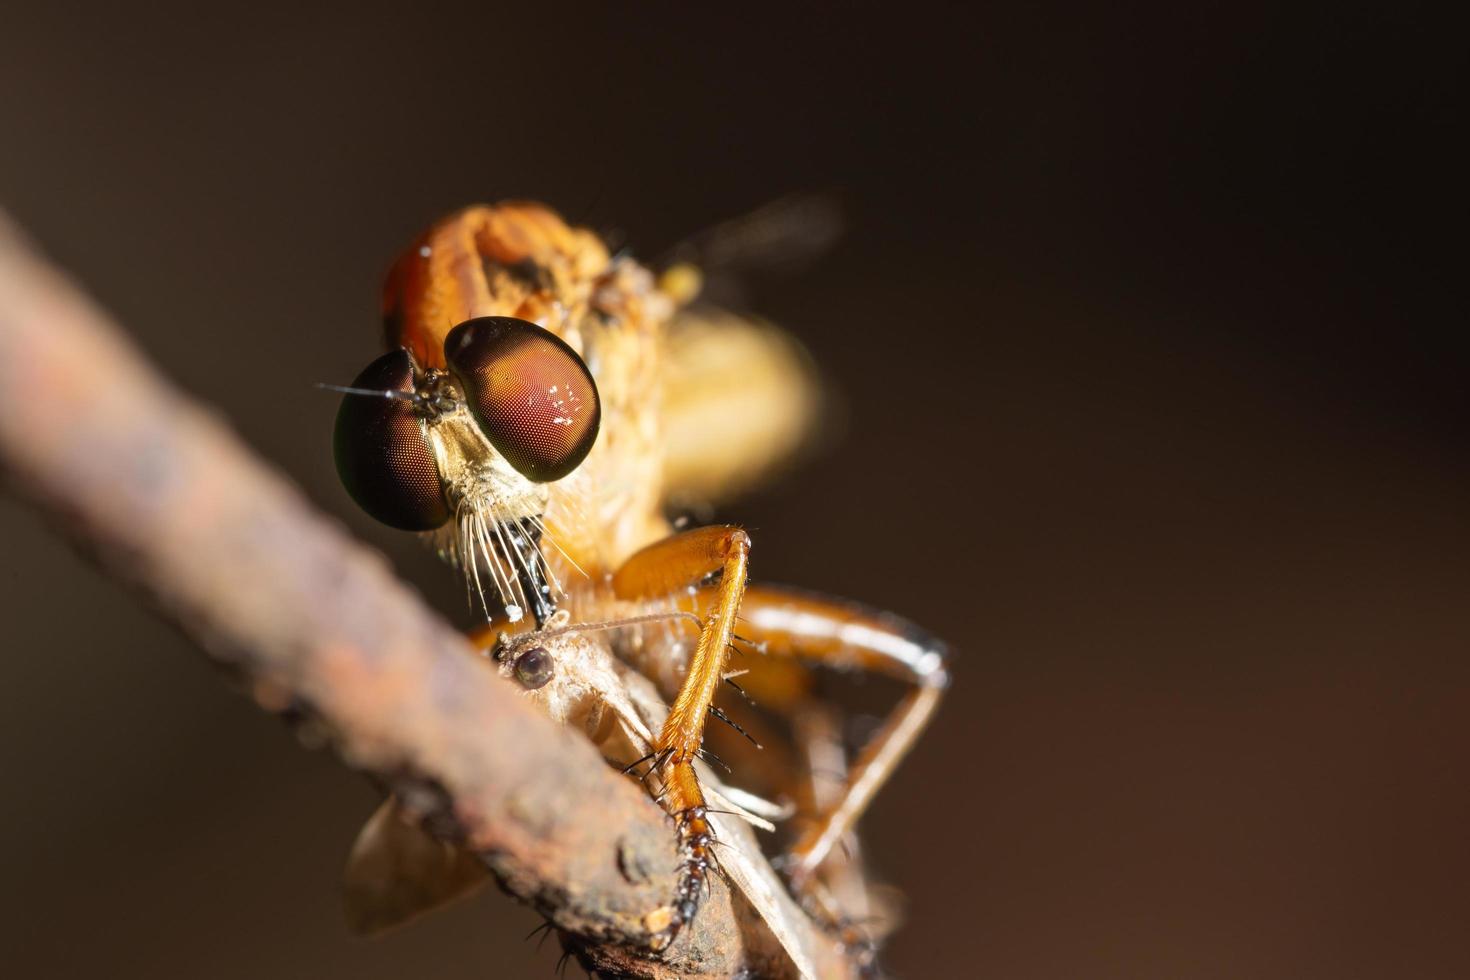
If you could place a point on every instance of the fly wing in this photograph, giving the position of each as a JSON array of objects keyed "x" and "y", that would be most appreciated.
[
  {"x": 396, "y": 871},
  {"x": 743, "y": 864},
  {"x": 741, "y": 398},
  {"x": 779, "y": 239}
]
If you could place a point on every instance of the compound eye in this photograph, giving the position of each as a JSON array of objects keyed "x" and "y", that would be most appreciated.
[
  {"x": 529, "y": 392},
  {"x": 534, "y": 668},
  {"x": 382, "y": 456}
]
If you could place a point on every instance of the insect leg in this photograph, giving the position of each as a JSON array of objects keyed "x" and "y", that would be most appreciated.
[
  {"x": 838, "y": 895},
  {"x": 665, "y": 568},
  {"x": 844, "y": 635}
]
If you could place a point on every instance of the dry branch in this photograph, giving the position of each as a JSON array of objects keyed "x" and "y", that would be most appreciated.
[{"x": 165, "y": 497}]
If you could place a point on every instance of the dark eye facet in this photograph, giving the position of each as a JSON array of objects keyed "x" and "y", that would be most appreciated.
[
  {"x": 382, "y": 457},
  {"x": 534, "y": 668},
  {"x": 529, "y": 392}
]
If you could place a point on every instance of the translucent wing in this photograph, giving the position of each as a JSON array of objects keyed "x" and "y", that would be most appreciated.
[{"x": 397, "y": 871}]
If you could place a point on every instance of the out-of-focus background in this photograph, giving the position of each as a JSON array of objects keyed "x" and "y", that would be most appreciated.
[{"x": 1153, "y": 361}]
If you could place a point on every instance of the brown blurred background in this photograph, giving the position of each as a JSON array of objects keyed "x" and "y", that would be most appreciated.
[{"x": 1154, "y": 372}]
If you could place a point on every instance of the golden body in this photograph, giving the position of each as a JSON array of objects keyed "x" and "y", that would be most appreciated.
[{"x": 693, "y": 408}]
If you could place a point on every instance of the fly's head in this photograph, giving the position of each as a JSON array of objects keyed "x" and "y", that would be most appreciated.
[{"x": 468, "y": 452}]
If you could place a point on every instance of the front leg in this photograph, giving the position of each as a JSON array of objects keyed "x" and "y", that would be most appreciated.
[{"x": 670, "y": 567}]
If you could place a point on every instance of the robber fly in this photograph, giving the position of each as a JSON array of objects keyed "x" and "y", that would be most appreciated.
[{"x": 540, "y": 405}]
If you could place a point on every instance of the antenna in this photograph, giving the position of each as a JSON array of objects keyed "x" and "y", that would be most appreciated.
[{"x": 402, "y": 396}]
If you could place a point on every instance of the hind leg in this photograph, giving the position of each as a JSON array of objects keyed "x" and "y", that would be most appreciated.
[{"x": 845, "y": 636}]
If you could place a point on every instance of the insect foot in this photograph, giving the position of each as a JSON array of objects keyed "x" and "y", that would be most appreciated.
[
  {"x": 821, "y": 907},
  {"x": 696, "y": 837}
]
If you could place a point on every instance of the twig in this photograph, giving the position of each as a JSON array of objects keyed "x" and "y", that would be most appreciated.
[{"x": 165, "y": 497}]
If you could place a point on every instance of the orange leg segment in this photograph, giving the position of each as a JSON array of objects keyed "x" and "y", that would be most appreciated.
[
  {"x": 665, "y": 568},
  {"x": 844, "y": 635}
]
